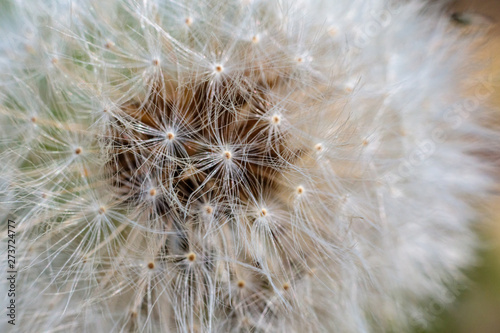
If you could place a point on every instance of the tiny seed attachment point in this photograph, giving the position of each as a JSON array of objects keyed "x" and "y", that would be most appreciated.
[
  {"x": 286, "y": 286},
  {"x": 191, "y": 256},
  {"x": 275, "y": 120},
  {"x": 300, "y": 190},
  {"x": 255, "y": 39},
  {"x": 151, "y": 265},
  {"x": 170, "y": 136},
  {"x": 78, "y": 151},
  {"x": 152, "y": 192},
  {"x": 109, "y": 45},
  {"x": 241, "y": 284},
  {"x": 155, "y": 62},
  {"x": 263, "y": 212},
  {"x": 102, "y": 210},
  {"x": 209, "y": 209},
  {"x": 219, "y": 68},
  {"x": 188, "y": 21},
  {"x": 33, "y": 119},
  {"x": 227, "y": 155}
]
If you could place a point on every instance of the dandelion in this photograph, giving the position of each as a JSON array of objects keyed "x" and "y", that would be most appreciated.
[{"x": 226, "y": 166}]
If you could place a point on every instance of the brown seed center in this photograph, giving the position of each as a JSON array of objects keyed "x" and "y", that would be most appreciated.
[{"x": 191, "y": 256}]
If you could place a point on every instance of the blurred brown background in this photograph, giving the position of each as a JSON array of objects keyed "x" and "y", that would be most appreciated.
[{"x": 478, "y": 308}]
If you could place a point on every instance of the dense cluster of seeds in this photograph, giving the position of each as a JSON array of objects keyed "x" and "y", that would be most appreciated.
[{"x": 195, "y": 149}]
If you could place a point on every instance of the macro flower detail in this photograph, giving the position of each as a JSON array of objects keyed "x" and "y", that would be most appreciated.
[{"x": 242, "y": 165}]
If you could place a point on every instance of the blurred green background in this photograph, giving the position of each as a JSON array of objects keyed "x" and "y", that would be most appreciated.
[{"x": 477, "y": 309}]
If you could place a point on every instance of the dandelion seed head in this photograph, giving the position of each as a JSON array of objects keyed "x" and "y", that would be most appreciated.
[{"x": 205, "y": 166}]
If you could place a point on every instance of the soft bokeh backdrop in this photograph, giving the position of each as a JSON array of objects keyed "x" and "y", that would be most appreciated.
[{"x": 478, "y": 307}]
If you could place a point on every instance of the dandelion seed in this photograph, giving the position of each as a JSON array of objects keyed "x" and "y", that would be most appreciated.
[
  {"x": 219, "y": 69},
  {"x": 170, "y": 136},
  {"x": 191, "y": 256},
  {"x": 299, "y": 190},
  {"x": 78, "y": 151},
  {"x": 332, "y": 32},
  {"x": 263, "y": 212},
  {"x": 275, "y": 120},
  {"x": 209, "y": 210}
]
